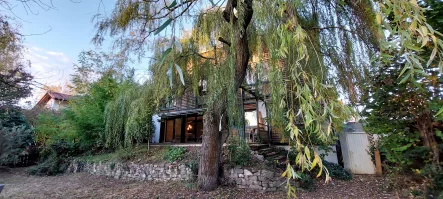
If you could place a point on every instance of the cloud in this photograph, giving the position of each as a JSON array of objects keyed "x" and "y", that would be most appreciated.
[
  {"x": 55, "y": 53},
  {"x": 60, "y": 55},
  {"x": 49, "y": 67}
]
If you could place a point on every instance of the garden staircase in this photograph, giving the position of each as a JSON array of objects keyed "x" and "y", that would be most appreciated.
[{"x": 272, "y": 154}]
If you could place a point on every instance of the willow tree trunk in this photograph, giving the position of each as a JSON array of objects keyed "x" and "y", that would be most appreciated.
[
  {"x": 209, "y": 168},
  {"x": 208, "y": 171}
]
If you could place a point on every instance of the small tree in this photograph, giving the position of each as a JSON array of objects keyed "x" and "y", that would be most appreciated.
[{"x": 15, "y": 81}]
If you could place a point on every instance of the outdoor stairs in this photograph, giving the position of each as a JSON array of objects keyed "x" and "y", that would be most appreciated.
[{"x": 273, "y": 154}]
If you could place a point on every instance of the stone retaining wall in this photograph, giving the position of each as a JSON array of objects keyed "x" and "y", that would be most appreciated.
[
  {"x": 254, "y": 179},
  {"x": 132, "y": 171},
  {"x": 264, "y": 180}
]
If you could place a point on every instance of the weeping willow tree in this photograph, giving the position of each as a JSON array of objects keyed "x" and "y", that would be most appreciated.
[
  {"x": 314, "y": 50},
  {"x": 128, "y": 118}
]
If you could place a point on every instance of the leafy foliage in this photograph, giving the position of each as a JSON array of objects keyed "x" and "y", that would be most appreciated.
[
  {"x": 15, "y": 135},
  {"x": 129, "y": 117},
  {"x": 193, "y": 165},
  {"x": 56, "y": 158},
  {"x": 404, "y": 97},
  {"x": 307, "y": 182},
  {"x": 15, "y": 81},
  {"x": 87, "y": 112},
  {"x": 336, "y": 171},
  {"x": 51, "y": 126},
  {"x": 238, "y": 151},
  {"x": 173, "y": 154},
  {"x": 312, "y": 49}
]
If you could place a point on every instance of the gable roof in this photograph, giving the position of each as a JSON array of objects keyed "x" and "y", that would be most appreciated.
[
  {"x": 53, "y": 95},
  {"x": 59, "y": 96}
]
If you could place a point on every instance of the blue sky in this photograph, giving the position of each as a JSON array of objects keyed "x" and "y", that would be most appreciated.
[{"x": 55, "y": 37}]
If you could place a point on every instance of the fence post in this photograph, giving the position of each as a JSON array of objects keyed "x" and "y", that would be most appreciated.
[{"x": 378, "y": 162}]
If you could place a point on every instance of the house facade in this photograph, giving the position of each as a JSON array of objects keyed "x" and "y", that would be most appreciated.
[
  {"x": 181, "y": 119},
  {"x": 53, "y": 100}
]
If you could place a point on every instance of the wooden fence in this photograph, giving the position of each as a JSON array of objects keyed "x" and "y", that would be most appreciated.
[{"x": 26, "y": 160}]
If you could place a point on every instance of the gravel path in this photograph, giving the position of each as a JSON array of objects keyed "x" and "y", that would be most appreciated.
[{"x": 82, "y": 185}]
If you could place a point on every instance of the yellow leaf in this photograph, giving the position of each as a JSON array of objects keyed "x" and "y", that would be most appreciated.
[
  {"x": 307, "y": 152},
  {"x": 413, "y": 25},
  {"x": 424, "y": 41},
  {"x": 284, "y": 173},
  {"x": 328, "y": 179},
  {"x": 378, "y": 18},
  {"x": 434, "y": 52},
  {"x": 314, "y": 162},
  {"x": 319, "y": 173},
  {"x": 424, "y": 30},
  {"x": 434, "y": 39}
]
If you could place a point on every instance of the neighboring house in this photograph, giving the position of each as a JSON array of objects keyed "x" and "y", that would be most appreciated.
[{"x": 53, "y": 100}]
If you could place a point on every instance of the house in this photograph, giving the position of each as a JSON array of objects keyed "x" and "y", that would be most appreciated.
[
  {"x": 53, "y": 100},
  {"x": 181, "y": 119}
]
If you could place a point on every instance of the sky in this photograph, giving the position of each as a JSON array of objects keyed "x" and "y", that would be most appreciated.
[{"x": 55, "y": 37}]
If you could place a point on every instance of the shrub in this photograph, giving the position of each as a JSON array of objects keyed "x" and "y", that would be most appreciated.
[
  {"x": 173, "y": 154},
  {"x": 55, "y": 159},
  {"x": 239, "y": 152},
  {"x": 436, "y": 180},
  {"x": 193, "y": 165},
  {"x": 15, "y": 135},
  {"x": 307, "y": 182},
  {"x": 336, "y": 171},
  {"x": 16, "y": 140}
]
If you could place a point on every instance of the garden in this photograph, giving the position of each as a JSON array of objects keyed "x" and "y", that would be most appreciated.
[{"x": 314, "y": 65}]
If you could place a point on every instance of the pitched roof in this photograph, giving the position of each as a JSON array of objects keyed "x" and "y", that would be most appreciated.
[
  {"x": 53, "y": 95},
  {"x": 59, "y": 96}
]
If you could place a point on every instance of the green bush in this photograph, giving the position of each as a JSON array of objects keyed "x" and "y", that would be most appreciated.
[
  {"x": 193, "y": 165},
  {"x": 336, "y": 171},
  {"x": 436, "y": 186},
  {"x": 15, "y": 135},
  {"x": 307, "y": 182},
  {"x": 55, "y": 159},
  {"x": 239, "y": 152},
  {"x": 173, "y": 154}
]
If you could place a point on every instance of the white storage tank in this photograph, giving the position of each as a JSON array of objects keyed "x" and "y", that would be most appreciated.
[{"x": 355, "y": 146}]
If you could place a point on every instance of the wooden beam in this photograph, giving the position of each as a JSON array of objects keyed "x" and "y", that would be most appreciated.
[{"x": 378, "y": 162}]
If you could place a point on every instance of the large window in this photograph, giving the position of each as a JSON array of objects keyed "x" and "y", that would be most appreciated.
[
  {"x": 183, "y": 129},
  {"x": 194, "y": 129}
]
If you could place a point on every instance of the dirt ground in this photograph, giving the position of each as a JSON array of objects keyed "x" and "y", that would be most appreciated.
[{"x": 82, "y": 185}]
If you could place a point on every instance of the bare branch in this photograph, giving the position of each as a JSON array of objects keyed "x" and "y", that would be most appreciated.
[{"x": 224, "y": 41}]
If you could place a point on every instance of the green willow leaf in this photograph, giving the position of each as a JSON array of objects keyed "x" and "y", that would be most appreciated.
[
  {"x": 405, "y": 78},
  {"x": 173, "y": 4},
  {"x": 439, "y": 112},
  {"x": 164, "y": 55},
  {"x": 163, "y": 26},
  {"x": 180, "y": 73}
]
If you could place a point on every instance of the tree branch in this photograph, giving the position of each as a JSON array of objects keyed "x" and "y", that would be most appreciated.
[{"x": 224, "y": 41}]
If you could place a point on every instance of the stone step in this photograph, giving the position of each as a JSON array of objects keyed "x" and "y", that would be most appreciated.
[
  {"x": 257, "y": 147},
  {"x": 271, "y": 154},
  {"x": 280, "y": 158},
  {"x": 265, "y": 150}
]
